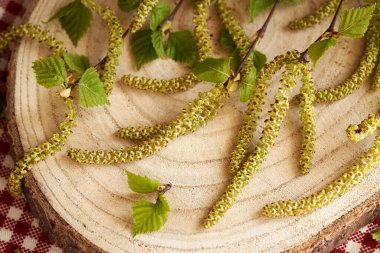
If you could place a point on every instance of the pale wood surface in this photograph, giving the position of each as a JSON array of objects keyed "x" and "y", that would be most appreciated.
[{"x": 88, "y": 208}]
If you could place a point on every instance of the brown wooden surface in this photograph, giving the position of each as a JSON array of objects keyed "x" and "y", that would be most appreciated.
[{"x": 87, "y": 208}]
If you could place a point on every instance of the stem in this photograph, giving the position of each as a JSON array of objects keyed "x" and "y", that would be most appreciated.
[
  {"x": 259, "y": 35},
  {"x": 330, "y": 29},
  {"x": 170, "y": 17}
]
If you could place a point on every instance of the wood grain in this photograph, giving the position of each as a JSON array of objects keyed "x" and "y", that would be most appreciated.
[{"x": 87, "y": 208}]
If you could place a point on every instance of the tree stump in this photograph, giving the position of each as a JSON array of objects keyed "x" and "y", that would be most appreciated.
[{"x": 87, "y": 208}]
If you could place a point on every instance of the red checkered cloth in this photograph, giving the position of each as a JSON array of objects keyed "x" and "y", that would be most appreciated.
[{"x": 19, "y": 231}]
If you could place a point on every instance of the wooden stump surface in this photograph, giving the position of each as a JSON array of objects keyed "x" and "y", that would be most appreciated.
[{"x": 88, "y": 208}]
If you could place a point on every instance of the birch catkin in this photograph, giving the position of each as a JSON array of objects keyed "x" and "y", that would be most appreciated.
[
  {"x": 338, "y": 187},
  {"x": 39, "y": 153},
  {"x": 196, "y": 115},
  {"x": 142, "y": 13},
  {"x": 361, "y": 74},
  {"x": 108, "y": 75},
  {"x": 188, "y": 81},
  {"x": 316, "y": 17},
  {"x": 307, "y": 114}
]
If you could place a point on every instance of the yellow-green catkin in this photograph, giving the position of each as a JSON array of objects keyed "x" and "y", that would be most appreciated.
[
  {"x": 316, "y": 17},
  {"x": 361, "y": 74},
  {"x": 375, "y": 85},
  {"x": 197, "y": 114},
  {"x": 142, "y": 13},
  {"x": 173, "y": 85},
  {"x": 188, "y": 81},
  {"x": 238, "y": 36},
  {"x": 269, "y": 134},
  {"x": 376, "y": 78},
  {"x": 254, "y": 109},
  {"x": 337, "y": 188},
  {"x": 140, "y": 133},
  {"x": 307, "y": 114},
  {"x": 201, "y": 34},
  {"x": 368, "y": 126},
  {"x": 39, "y": 153},
  {"x": 31, "y": 31},
  {"x": 108, "y": 74}
]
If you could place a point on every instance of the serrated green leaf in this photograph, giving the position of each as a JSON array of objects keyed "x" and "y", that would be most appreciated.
[
  {"x": 257, "y": 6},
  {"x": 212, "y": 70},
  {"x": 50, "y": 71},
  {"x": 376, "y": 235},
  {"x": 318, "y": 49},
  {"x": 158, "y": 14},
  {"x": 226, "y": 42},
  {"x": 142, "y": 184},
  {"x": 248, "y": 84},
  {"x": 259, "y": 60},
  {"x": 149, "y": 217},
  {"x": 158, "y": 43},
  {"x": 76, "y": 63},
  {"x": 128, "y": 5},
  {"x": 75, "y": 19},
  {"x": 91, "y": 89},
  {"x": 354, "y": 22},
  {"x": 181, "y": 47},
  {"x": 142, "y": 47}
]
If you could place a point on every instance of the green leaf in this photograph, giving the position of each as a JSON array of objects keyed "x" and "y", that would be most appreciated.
[
  {"x": 149, "y": 217},
  {"x": 50, "y": 71},
  {"x": 226, "y": 42},
  {"x": 257, "y": 6},
  {"x": 235, "y": 59},
  {"x": 76, "y": 63},
  {"x": 259, "y": 60},
  {"x": 181, "y": 47},
  {"x": 142, "y": 184},
  {"x": 158, "y": 14},
  {"x": 91, "y": 89},
  {"x": 354, "y": 22},
  {"x": 318, "y": 49},
  {"x": 212, "y": 70},
  {"x": 128, "y": 5},
  {"x": 376, "y": 235},
  {"x": 142, "y": 47},
  {"x": 158, "y": 43},
  {"x": 248, "y": 84},
  {"x": 75, "y": 19}
]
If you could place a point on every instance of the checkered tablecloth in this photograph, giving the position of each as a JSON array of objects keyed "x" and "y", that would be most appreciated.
[{"x": 19, "y": 231}]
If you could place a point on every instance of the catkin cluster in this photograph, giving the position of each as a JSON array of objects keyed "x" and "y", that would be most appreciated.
[
  {"x": 108, "y": 75},
  {"x": 316, "y": 17},
  {"x": 31, "y": 31},
  {"x": 254, "y": 109},
  {"x": 238, "y": 36},
  {"x": 39, "y": 153},
  {"x": 307, "y": 114},
  {"x": 196, "y": 115},
  {"x": 269, "y": 134},
  {"x": 188, "y": 81},
  {"x": 341, "y": 185}
]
